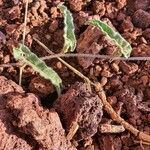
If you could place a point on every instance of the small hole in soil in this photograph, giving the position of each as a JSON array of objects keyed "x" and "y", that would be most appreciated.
[{"x": 49, "y": 100}]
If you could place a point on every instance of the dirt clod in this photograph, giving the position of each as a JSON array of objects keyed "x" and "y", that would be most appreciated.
[
  {"x": 110, "y": 143},
  {"x": 9, "y": 138},
  {"x": 141, "y": 50},
  {"x": 128, "y": 68},
  {"x": 77, "y": 5},
  {"x": 141, "y": 19},
  {"x": 41, "y": 87},
  {"x": 127, "y": 25},
  {"x": 89, "y": 43},
  {"x": 137, "y": 4},
  {"x": 22, "y": 116},
  {"x": 146, "y": 33},
  {"x": 81, "y": 106},
  {"x": 37, "y": 15},
  {"x": 43, "y": 125},
  {"x": 130, "y": 99},
  {"x": 13, "y": 13},
  {"x": 99, "y": 8}
]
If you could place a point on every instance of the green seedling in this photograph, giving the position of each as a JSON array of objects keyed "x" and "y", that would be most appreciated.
[
  {"x": 24, "y": 54},
  {"x": 69, "y": 35},
  {"x": 123, "y": 46}
]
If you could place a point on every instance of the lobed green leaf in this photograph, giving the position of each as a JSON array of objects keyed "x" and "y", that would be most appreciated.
[
  {"x": 123, "y": 46},
  {"x": 69, "y": 35},
  {"x": 24, "y": 54}
]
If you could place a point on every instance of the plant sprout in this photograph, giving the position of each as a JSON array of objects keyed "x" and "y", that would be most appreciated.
[{"x": 123, "y": 46}]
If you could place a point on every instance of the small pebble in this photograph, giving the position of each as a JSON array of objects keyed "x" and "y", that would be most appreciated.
[
  {"x": 115, "y": 67},
  {"x": 59, "y": 65},
  {"x": 103, "y": 81},
  {"x": 48, "y": 37}
]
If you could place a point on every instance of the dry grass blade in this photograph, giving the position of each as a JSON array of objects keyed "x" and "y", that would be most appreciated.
[
  {"x": 145, "y": 143},
  {"x": 123, "y": 46},
  {"x": 24, "y": 54},
  {"x": 69, "y": 35},
  {"x": 97, "y": 56},
  {"x": 72, "y": 130},
  {"x": 25, "y": 22}
]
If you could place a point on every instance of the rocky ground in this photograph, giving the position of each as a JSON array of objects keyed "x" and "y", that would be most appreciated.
[{"x": 32, "y": 117}]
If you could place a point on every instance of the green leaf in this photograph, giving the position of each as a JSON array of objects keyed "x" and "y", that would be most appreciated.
[
  {"x": 24, "y": 54},
  {"x": 123, "y": 46},
  {"x": 69, "y": 35}
]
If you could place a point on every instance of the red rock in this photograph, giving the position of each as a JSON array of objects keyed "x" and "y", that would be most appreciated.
[
  {"x": 142, "y": 50},
  {"x": 88, "y": 44},
  {"x": 43, "y": 125},
  {"x": 9, "y": 139},
  {"x": 134, "y": 5},
  {"x": 128, "y": 68},
  {"x": 41, "y": 87},
  {"x": 108, "y": 142},
  {"x": 141, "y": 19},
  {"x": 77, "y": 5},
  {"x": 79, "y": 105},
  {"x": 146, "y": 33}
]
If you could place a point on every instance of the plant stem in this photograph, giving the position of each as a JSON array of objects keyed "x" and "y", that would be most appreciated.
[
  {"x": 83, "y": 55},
  {"x": 11, "y": 65},
  {"x": 20, "y": 73},
  {"x": 96, "y": 56},
  {"x": 25, "y": 22}
]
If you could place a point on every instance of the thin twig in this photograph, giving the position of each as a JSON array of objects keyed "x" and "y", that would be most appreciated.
[
  {"x": 23, "y": 40},
  {"x": 11, "y": 65},
  {"x": 25, "y": 22},
  {"x": 145, "y": 143},
  {"x": 141, "y": 144},
  {"x": 81, "y": 55},
  {"x": 96, "y": 56},
  {"x": 72, "y": 130}
]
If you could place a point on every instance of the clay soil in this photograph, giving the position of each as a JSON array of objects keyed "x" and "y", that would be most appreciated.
[{"x": 33, "y": 117}]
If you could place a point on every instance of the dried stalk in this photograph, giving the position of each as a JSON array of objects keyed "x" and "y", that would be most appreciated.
[
  {"x": 82, "y": 55},
  {"x": 97, "y": 56},
  {"x": 25, "y": 22},
  {"x": 145, "y": 143},
  {"x": 23, "y": 40},
  {"x": 72, "y": 130},
  {"x": 11, "y": 65}
]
